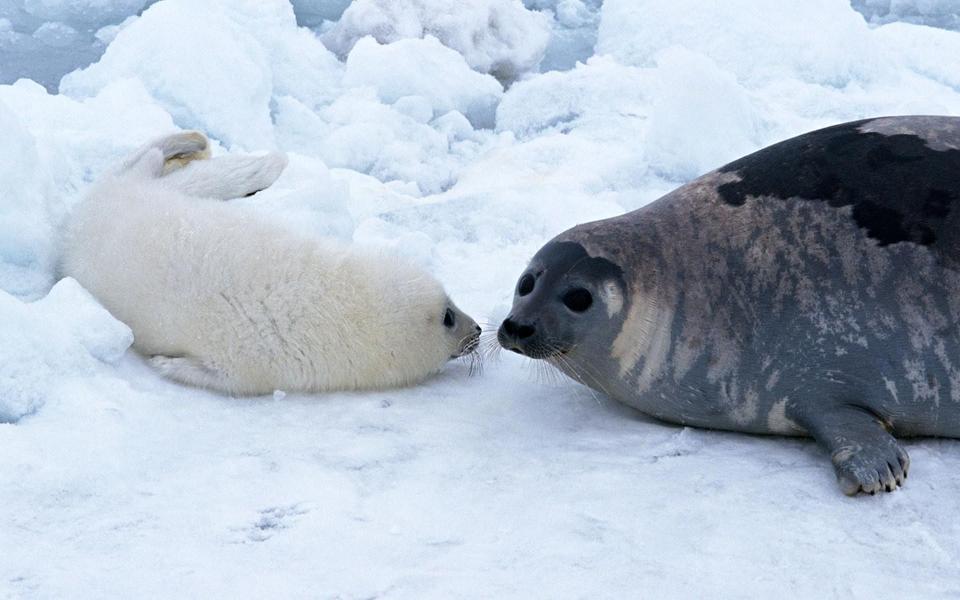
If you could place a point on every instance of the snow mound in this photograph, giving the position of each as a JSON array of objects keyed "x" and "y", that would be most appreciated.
[
  {"x": 63, "y": 335},
  {"x": 306, "y": 199},
  {"x": 242, "y": 50},
  {"x": 602, "y": 88},
  {"x": 700, "y": 117},
  {"x": 499, "y": 37},
  {"x": 424, "y": 68},
  {"x": 53, "y": 147},
  {"x": 26, "y": 235},
  {"x": 359, "y": 132},
  {"x": 816, "y": 40}
]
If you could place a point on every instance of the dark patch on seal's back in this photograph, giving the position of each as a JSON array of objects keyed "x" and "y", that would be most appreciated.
[{"x": 901, "y": 190}]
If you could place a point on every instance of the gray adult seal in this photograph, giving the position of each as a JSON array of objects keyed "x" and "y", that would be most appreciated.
[{"x": 811, "y": 288}]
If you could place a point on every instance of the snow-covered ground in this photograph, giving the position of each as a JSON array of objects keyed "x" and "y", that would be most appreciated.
[{"x": 463, "y": 135}]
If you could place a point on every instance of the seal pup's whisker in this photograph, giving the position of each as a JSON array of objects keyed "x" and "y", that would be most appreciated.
[{"x": 489, "y": 346}]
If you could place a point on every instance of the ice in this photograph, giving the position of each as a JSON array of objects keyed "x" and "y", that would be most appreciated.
[
  {"x": 44, "y": 39},
  {"x": 59, "y": 337},
  {"x": 27, "y": 246},
  {"x": 700, "y": 117},
  {"x": 52, "y": 149},
  {"x": 234, "y": 64},
  {"x": 817, "y": 40},
  {"x": 573, "y": 32},
  {"x": 499, "y": 37},
  {"x": 424, "y": 68},
  {"x": 82, "y": 11},
  {"x": 358, "y": 131},
  {"x": 936, "y": 13},
  {"x": 250, "y": 50},
  {"x": 307, "y": 199},
  {"x": 441, "y": 140},
  {"x": 603, "y": 88},
  {"x": 312, "y": 13}
]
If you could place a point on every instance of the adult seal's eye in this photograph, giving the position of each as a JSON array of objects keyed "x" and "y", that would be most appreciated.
[
  {"x": 525, "y": 286},
  {"x": 578, "y": 299},
  {"x": 449, "y": 319}
]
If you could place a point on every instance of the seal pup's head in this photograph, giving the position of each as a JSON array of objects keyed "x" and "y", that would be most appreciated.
[
  {"x": 403, "y": 326},
  {"x": 563, "y": 295}
]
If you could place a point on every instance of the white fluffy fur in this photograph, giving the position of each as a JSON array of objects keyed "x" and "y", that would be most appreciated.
[{"x": 217, "y": 298}]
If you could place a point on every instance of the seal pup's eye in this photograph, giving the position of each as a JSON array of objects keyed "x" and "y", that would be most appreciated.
[
  {"x": 449, "y": 319},
  {"x": 525, "y": 286},
  {"x": 578, "y": 299}
]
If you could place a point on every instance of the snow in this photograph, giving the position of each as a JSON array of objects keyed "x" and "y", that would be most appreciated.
[
  {"x": 51, "y": 341},
  {"x": 427, "y": 128},
  {"x": 426, "y": 69},
  {"x": 500, "y": 37}
]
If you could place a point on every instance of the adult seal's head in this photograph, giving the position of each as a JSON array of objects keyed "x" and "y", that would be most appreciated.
[{"x": 565, "y": 302}]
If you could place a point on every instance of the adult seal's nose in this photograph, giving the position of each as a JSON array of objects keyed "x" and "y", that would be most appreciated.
[{"x": 517, "y": 331}]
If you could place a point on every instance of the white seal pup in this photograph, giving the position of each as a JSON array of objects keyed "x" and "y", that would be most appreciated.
[{"x": 219, "y": 299}]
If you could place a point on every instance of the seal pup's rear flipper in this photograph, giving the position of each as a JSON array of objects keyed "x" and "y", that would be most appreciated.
[
  {"x": 189, "y": 371},
  {"x": 227, "y": 177},
  {"x": 165, "y": 154}
]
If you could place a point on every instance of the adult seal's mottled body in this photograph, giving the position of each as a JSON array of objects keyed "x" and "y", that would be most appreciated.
[{"x": 811, "y": 288}]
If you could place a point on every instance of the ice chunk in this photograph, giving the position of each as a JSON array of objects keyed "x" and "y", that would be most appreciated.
[
  {"x": 499, "y": 37},
  {"x": 58, "y": 35},
  {"x": 63, "y": 335},
  {"x": 418, "y": 108},
  {"x": 822, "y": 41},
  {"x": 243, "y": 51},
  {"x": 360, "y": 132},
  {"x": 306, "y": 199},
  {"x": 424, "y": 67},
  {"x": 312, "y": 13},
  {"x": 935, "y": 13},
  {"x": 574, "y": 32},
  {"x": 603, "y": 89},
  {"x": 76, "y": 140},
  {"x": 225, "y": 62},
  {"x": 83, "y": 12},
  {"x": 700, "y": 117},
  {"x": 108, "y": 33},
  {"x": 44, "y": 39},
  {"x": 27, "y": 245}
]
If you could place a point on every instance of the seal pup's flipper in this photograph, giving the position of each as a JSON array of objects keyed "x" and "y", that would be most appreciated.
[
  {"x": 189, "y": 371},
  {"x": 173, "y": 151},
  {"x": 865, "y": 456},
  {"x": 227, "y": 177}
]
